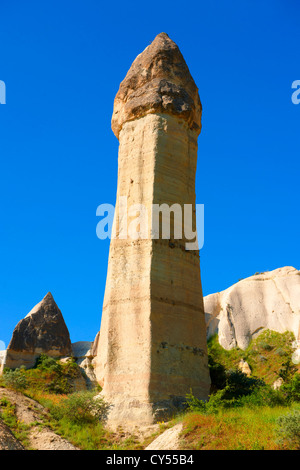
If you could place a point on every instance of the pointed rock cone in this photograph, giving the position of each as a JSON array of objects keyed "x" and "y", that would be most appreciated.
[
  {"x": 42, "y": 331},
  {"x": 152, "y": 346}
]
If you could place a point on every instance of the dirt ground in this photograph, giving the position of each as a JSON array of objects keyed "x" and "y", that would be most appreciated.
[
  {"x": 31, "y": 413},
  {"x": 41, "y": 437}
]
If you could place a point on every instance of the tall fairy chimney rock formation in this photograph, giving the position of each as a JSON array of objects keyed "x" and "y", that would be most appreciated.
[{"x": 152, "y": 345}]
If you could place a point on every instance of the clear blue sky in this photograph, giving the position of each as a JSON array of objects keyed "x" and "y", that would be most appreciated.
[{"x": 62, "y": 62}]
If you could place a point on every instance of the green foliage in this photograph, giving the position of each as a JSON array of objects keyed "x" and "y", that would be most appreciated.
[
  {"x": 7, "y": 412},
  {"x": 50, "y": 364},
  {"x": 292, "y": 388},
  {"x": 15, "y": 379},
  {"x": 216, "y": 402},
  {"x": 80, "y": 408},
  {"x": 234, "y": 395},
  {"x": 262, "y": 396},
  {"x": 280, "y": 352},
  {"x": 268, "y": 355},
  {"x": 217, "y": 372},
  {"x": 266, "y": 346},
  {"x": 194, "y": 404},
  {"x": 239, "y": 384},
  {"x": 45, "y": 362},
  {"x": 48, "y": 374},
  {"x": 289, "y": 428},
  {"x": 234, "y": 428},
  {"x": 4, "y": 402},
  {"x": 270, "y": 340},
  {"x": 287, "y": 370},
  {"x": 53, "y": 375},
  {"x": 232, "y": 388},
  {"x": 9, "y": 417}
]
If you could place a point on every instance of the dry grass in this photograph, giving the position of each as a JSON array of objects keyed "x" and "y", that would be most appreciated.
[{"x": 236, "y": 429}]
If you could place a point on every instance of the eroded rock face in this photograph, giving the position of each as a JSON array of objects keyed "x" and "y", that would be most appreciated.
[
  {"x": 168, "y": 440},
  {"x": 2, "y": 360},
  {"x": 158, "y": 81},
  {"x": 42, "y": 331},
  {"x": 83, "y": 353},
  {"x": 269, "y": 300},
  {"x": 152, "y": 344}
]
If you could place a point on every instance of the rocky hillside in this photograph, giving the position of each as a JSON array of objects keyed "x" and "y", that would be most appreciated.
[
  {"x": 252, "y": 327},
  {"x": 39, "y": 410},
  {"x": 26, "y": 418}
]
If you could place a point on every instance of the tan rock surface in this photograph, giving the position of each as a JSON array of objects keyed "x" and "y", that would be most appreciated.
[
  {"x": 27, "y": 410},
  {"x": 269, "y": 300},
  {"x": 152, "y": 344},
  {"x": 296, "y": 356},
  {"x": 278, "y": 383},
  {"x": 46, "y": 439},
  {"x": 168, "y": 440},
  {"x": 83, "y": 353},
  {"x": 2, "y": 360},
  {"x": 244, "y": 367}
]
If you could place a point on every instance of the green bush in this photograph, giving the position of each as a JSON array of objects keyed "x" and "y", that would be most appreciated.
[
  {"x": 287, "y": 370},
  {"x": 15, "y": 379},
  {"x": 218, "y": 401},
  {"x": 80, "y": 408},
  {"x": 56, "y": 376},
  {"x": 215, "y": 403},
  {"x": 239, "y": 384},
  {"x": 59, "y": 385},
  {"x": 289, "y": 428},
  {"x": 239, "y": 391},
  {"x": 264, "y": 345},
  {"x": 264, "y": 395},
  {"x": 217, "y": 373},
  {"x": 280, "y": 352},
  {"x": 194, "y": 404},
  {"x": 45, "y": 362},
  {"x": 292, "y": 388}
]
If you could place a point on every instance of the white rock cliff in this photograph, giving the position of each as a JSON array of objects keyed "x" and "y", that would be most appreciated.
[{"x": 269, "y": 300}]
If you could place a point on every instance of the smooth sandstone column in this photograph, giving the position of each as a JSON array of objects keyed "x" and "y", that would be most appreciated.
[{"x": 152, "y": 345}]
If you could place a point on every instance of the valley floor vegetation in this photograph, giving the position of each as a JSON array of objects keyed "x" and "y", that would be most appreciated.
[
  {"x": 242, "y": 413},
  {"x": 246, "y": 412}
]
